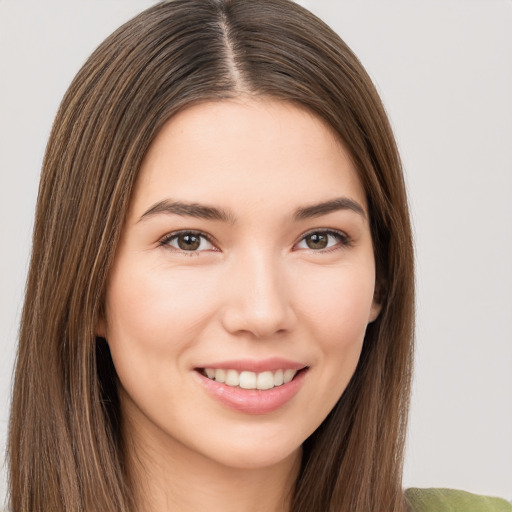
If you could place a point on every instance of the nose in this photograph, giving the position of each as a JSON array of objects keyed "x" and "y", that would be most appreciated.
[{"x": 258, "y": 300}]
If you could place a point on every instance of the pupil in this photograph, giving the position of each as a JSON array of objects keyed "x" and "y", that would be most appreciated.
[
  {"x": 188, "y": 242},
  {"x": 316, "y": 241}
]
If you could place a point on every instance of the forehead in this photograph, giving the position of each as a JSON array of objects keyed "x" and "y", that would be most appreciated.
[{"x": 261, "y": 151}]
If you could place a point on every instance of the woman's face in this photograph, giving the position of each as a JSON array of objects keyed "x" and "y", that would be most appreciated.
[{"x": 245, "y": 261}]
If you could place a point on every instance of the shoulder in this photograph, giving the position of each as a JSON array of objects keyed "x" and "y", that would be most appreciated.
[{"x": 450, "y": 500}]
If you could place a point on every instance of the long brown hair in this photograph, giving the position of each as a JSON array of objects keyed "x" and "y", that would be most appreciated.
[{"x": 65, "y": 449}]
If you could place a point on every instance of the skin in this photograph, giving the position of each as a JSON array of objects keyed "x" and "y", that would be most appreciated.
[{"x": 257, "y": 290}]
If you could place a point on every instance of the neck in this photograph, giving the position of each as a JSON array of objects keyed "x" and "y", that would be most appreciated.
[{"x": 176, "y": 478}]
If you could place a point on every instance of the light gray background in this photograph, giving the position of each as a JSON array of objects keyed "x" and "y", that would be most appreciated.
[{"x": 444, "y": 70}]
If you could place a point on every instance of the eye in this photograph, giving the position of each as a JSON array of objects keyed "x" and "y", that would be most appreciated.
[
  {"x": 322, "y": 240},
  {"x": 188, "y": 241}
]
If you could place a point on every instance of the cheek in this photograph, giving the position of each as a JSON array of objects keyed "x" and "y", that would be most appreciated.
[
  {"x": 337, "y": 305},
  {"x": 153, "y": 318},
  {"x": 335, "y": 311},
  {"x": 159, "y": 306}
]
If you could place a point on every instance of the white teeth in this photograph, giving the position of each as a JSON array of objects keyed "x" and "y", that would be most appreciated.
[
  {"x": 232, "y": 378},
  {"x": 251, "y": 380},
  {"x": 265, "y": 380},
  {"x": 248, "y": 380},
  {"x": 288, "y": 375},
  {"x": 220, "y": 375}
]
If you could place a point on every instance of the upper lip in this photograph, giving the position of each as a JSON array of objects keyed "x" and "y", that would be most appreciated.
[{"x": 255, "y": 365}]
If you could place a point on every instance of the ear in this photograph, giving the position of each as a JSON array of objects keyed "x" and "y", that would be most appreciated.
[
  {"x": 374, "y": 311},
  {"x": 378, "y": 299},
  {"x": 377, "y": 302},
  {"x": 100, "y": 328}
]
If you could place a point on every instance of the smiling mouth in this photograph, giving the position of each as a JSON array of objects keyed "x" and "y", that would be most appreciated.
[{"x": 250, "y": 380}]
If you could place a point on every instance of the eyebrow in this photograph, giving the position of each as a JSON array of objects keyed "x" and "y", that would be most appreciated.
[
  {"x": 341, "y": 203},
  {"x": 189, "y": 210},
  {"x": 201, "y": 211}
]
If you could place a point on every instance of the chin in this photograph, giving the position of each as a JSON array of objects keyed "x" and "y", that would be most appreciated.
[{"x": 251, "y": 457}]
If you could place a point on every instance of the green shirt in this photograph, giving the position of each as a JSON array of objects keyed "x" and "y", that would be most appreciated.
[{"x": 449, "y": 500}]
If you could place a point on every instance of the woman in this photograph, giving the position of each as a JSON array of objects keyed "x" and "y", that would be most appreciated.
[{"x": 219, "y": 309}]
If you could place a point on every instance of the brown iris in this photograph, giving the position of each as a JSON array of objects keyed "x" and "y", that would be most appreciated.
[
  {"x": 317, "y": 240},
  {"x": 189, "y": 242}
]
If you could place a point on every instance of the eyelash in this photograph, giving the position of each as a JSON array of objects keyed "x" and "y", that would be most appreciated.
[{"x": 343, "y": 240}]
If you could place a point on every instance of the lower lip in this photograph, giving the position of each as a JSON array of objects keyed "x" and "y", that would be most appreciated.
[{"x": 253, "y": 401}]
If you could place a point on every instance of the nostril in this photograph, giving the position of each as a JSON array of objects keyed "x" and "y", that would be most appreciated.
[{"x": 259, "y": 323}]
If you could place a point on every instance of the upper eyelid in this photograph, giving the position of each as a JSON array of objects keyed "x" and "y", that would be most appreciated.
[
  {"x": 173, "y": 234},
  {"x": 325, "y": 230},
  {"x": 343, "y": 238}
]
